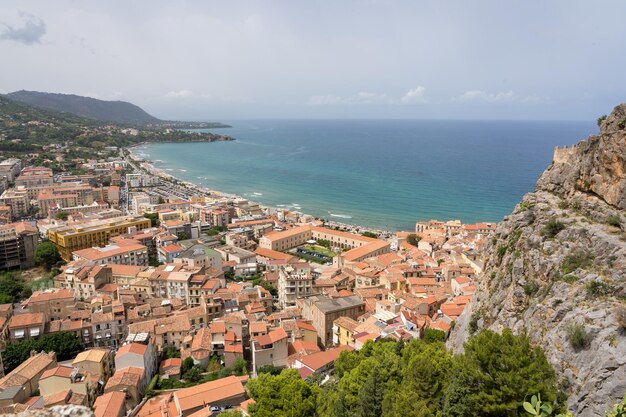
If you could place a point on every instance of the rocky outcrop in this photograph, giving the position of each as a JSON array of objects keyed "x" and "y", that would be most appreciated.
[
  {"x": 57, "y": 411},
  {"x": 556, "y": 269}
]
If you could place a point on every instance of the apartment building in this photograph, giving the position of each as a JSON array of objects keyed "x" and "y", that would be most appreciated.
[
  {"x": 18, "y": 200},
  {"x": 127, "y": 254},
  {"x": 18, "y": 242},
  {"x": 293, "y": 284},
  {"x": 34, "y": 177},
  {"x": 94, "y": 233},
  {"x": 55, "y": 304},
  {"x": 322, "y": 311},
  {"x": 10, "y": 168}
]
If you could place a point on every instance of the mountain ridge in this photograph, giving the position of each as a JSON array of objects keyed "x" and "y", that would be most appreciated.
[{"x": 92, "y": 108}]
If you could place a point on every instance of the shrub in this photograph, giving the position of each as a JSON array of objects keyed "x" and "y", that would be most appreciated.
[
  {"x": 552, "y": 228},
  {"x": 614, "y": 220},
  {"x": 472, "y": 326},
  {"x": 597, "y": 288},
  {"x": 530, "y": 288},
  {"x": 501, "y": 251},
  {"x": 577, "y": 336},
  {"x": 570, "y": 279},
  {"x": 575, "y": 261},
  {"x": 601, "y": 119}
]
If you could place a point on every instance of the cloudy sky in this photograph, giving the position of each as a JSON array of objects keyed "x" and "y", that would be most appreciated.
[{"x": 220, "y": 60}]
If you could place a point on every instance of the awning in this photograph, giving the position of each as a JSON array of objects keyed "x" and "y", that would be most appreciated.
[
  {"x": 19, "y": 334},
  {"x": 34, "y": 331}
]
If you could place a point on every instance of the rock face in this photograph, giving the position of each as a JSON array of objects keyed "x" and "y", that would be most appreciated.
[
  {"x": 556, "y": 270},
  {"x": 57, "y": 411}
]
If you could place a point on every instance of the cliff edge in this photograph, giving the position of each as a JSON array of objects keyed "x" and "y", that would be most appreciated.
[{"x": 556, "y": 269}]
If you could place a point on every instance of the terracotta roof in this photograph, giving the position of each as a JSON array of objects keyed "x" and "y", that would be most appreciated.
[
  {"x": 50, "y": 295},
  {"x": 126, "y": 377},
  {"x": 91, "y": 355},
  {"x": 27, "y": 319},
  {"x": 109, "y": 404},
  {"x": 136, "y": 348},
  {"x": 61, "y": 371},
  {"x": 208, "y": 393},
  {"x": 272, "y": 337},
  {"x": 318, "y": 360}
]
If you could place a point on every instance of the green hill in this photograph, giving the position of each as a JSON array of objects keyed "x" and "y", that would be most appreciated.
[{"x": 104, "y": 111}]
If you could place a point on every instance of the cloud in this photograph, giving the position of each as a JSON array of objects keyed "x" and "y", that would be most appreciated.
[
  {"x": 31, "y": 31},
  {"x": 413, "y": 96},
  {"x": 480, "y": 95},
  {"x": 360, "y": 98},
  {"x": 179, "y": 94}
]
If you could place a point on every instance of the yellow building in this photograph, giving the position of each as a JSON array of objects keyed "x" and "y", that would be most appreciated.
[{"x": 93, "y": 234}]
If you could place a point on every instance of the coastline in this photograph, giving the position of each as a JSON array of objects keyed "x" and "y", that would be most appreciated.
[{"x": 148, "y": 165}]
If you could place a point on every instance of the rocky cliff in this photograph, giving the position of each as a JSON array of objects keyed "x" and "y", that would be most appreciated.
[{"x": 556, "y": 269}]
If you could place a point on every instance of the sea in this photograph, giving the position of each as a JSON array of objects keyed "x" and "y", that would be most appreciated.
[{"x": 384, "y": 174}]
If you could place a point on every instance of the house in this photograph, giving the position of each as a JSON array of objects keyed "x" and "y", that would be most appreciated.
[
  {"x": 320, "y": 362},
  {"x": 130, "y": 381},
  {"x": 270, "y": 349},
  {"x": 26, "y": 326},
  {"x": 110, "y": 404},
  {"x": 55, "y": 304},
  {"x": 170, "y": 368},
  {"x": 138, "y": 355},
  {"x": 222, "y": 392},
  {"x": 97, "y": 361},
  {"x": 343, "y": 331},
  {"x": 27, "y": 374},
  {"x": 322, "y": 311},
  {"x": 65, "y": 378}
]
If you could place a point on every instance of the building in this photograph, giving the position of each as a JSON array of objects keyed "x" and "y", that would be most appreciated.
[
  {"x": 18, "y": 200},
  {"x": 138, "y": 355},
  {"x": 270, "y": 349},
  {"x": 18, "y": 242},
  {"x": 93, "y": 233},
  {"x": 35, "y": 177},
  {"x": 65, "y": 378},
  {"x": 222, "y": 392},
  {"x": 27, "y": 374},
  {"x": 97, "y": 361},
  {"x": 10, "y": 168},
  {"x": 110, "y": 404},
  {"x": 26, "y": 326},
  {"x": 55, "y": 304},
  {"x": 293, "y": 284},
  {"x": 127, "y": 254},
  {"x": 129, "y": 381},
  {"x": 322, "y": 311}
]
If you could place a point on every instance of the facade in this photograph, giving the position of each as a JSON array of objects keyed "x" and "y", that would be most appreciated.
[
  {"x": 18, "y": 200},
  {"x": 96, "y": 233},
  {"x": 128, "y": 254},
  {"x": 10, "y": 168},
  {"x": 26, "y": 326},
  {"x": 270, "y": 349},
  {"x": 55, "y": 304},
  {"x": 322, "y": 311},
  {"x": 292, "y": 285},
  {"x": 18, "y": 242}
]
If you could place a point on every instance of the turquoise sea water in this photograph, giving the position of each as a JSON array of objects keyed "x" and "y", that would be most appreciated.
[{"x": 380, "y": 173}]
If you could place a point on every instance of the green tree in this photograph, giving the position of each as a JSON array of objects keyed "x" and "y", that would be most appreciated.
[
  {"x": 285, "y": 394},
  {"x": 495, "y": 374},
  {"x": 413, "y": 239},
  {"x": 47, "y": 254},
  {"x": 370, "y": 403},
  {"x": 62, "y": 215},
  {"x": 186, "y": 365},
  {"x": 12, "y": 288},
  {"x": 65, "y": 344},
  {"x": 370, "y": 234},
  {"x": 154, "y": 219},
  {"x": 268, "y": 369},
  {"x": 434, "y": 335},
  {"x": 193, "y": 375}
]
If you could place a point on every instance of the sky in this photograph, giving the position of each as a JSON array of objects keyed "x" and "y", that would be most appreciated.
[{"x": 225, "y": 60}]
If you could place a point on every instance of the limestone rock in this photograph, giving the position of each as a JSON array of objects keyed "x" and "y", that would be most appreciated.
[{"x": 556, "y": 262}]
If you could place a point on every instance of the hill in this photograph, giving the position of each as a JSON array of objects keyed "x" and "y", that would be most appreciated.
[
  {"x": 556, "y": 270},
  {"x": 105, "y": 111}
]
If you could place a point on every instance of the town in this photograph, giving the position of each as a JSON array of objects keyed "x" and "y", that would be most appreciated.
[{"x": 175, "y": 297}]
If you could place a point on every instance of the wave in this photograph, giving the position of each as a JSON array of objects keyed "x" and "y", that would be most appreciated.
[
  {"x": 343, "y": 216},
  {"x": 182, "y": 170},
  {"x": 257, "y": 193}
]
